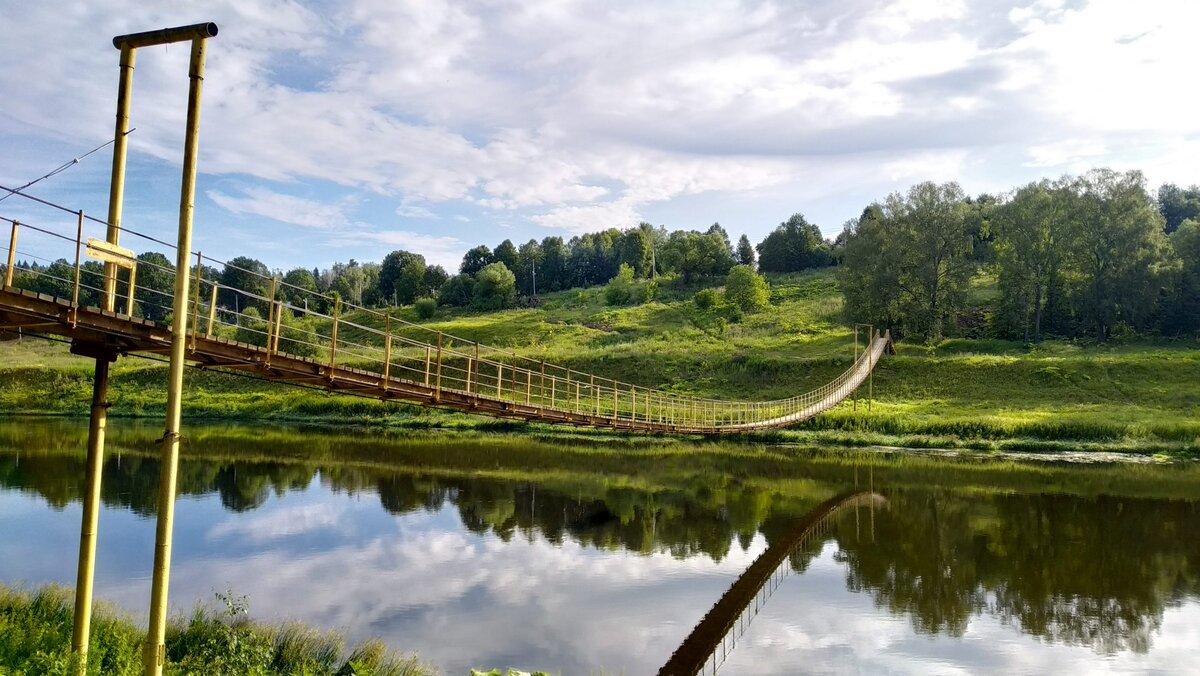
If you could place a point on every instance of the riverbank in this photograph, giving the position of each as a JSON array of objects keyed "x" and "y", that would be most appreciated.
[
  {"x": 35, "y": 638},
  {"x": 982, "y": 394}
]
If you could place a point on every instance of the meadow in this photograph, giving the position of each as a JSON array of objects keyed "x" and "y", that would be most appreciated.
[{"x": 970, "y": 392}]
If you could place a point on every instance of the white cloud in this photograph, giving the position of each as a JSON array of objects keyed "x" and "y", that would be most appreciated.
[{"x": 260, "y": 201}]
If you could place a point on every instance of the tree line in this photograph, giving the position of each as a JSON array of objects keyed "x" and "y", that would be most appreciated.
[{"x": 1082, "y": 256}]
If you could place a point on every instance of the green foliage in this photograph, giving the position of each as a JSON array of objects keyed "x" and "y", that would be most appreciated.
[
  {"x": 476, "y": 260},
  {"x": 619, "y": 290},
  {"x": 495, "y": 288},
  {"x": 793, "y": 246},
  {"x": 401, "y": 277},
  {"x": 246, "y": 275},
  {"x": 458, "y": 291},
  {"x": 706, "y": 299},
  {"x": 747, "y": 289},
  {"x": 35, "y": 639},
  {"x": 745, "y": 252},
  {"x": 908, "y": 261},
  {"x": 1177, "y": 205},
  {"x": 697, "y": 255},
  {"x": 425, "y": 308}
]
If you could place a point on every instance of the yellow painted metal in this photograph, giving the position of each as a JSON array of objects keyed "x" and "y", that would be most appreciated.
[
  {"x": 427, "y": 359},
  {"x": 212, "y": 312},
  {"x": 12, "y": 254},
  {"x": 78, "y": 247},
  {"x": 116, "y": 186},
  {"x": 111, "y": 254},
  {"x": 196, "y": 303},
  {"x": 271, "y": 314},
  {"x": 155, "y": 643},
  {"x": 274, "y": 346},
  {"x": 89, "y": 523},
  {"x": 438, "y": 393},
  {"x": 165, "y": 36},
  {"x": 499, "y": 377},
  {"x": 337, "y": 308},
  {"x": 387, "y": 351},
  {"x": 133, "y": 286}
]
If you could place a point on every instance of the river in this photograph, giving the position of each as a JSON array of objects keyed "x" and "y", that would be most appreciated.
[{"x": 576, "y": 555}]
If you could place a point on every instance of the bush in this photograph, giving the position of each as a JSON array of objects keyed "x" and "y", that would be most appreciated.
[
  {"x": 620, "y": 288},
  {"x": 495, "y": 287},
  {"x": 706, "y": 299},
  {"x": 425, "y": 307},
  {"x": 747, "y": 289}
]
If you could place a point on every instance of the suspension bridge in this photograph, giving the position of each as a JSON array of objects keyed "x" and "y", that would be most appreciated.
[
  {"x": 347, "y": 349},
  {"x": 287, "y": 334}
]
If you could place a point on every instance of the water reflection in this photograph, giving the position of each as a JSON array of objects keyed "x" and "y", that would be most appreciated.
[{"x": 503, "y": 552}]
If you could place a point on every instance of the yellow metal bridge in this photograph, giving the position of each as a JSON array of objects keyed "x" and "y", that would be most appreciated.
[{"x": 347, "y": 348}]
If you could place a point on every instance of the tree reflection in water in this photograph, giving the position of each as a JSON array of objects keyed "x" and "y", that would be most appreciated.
[{"x": 1090, "y": 569}]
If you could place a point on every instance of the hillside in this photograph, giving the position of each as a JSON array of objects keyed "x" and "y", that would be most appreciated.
[{"x": 978, "y": 392}]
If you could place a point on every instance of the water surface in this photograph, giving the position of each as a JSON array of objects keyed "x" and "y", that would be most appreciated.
[{"x": 479, "y": 550}]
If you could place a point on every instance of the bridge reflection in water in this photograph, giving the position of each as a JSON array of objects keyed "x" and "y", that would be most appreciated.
[{"x": 710, "y": 642}]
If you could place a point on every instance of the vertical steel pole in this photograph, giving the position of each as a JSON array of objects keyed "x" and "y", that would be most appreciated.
[
  {"x": 428, "y": 350},
  {"x": 91, "y": 515},
  {"x": 132, "y": 286},
  {"x": 116, "y": 188},
  {"x": 155, "y": 644},
  {"x": 337, "y": 308}
]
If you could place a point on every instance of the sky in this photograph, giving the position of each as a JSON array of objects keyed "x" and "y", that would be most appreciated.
[{"x": 339, "y": 130}]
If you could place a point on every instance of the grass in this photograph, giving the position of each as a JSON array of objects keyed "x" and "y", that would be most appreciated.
[
  {"x": 35, "y": 638},
  {"x": 982, "y": 393}
]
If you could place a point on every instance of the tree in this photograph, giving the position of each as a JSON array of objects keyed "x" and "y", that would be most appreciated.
[
  {"x": 910, "y": 260},
  {"x": 1183, "y": 311},
  {"x": 507, "y": 253},
  {"x": 1178, "y": 205},
  {"x": 475, "y": 260},
  {"x": 747, "y": 289},
  {"x": 745, "y": 252},
  {"x": 401, "y": 277},
  {"x": 155, "y": 286},
  {"x": 1033, "y": 231},
  {"x": 637, "y": 251},
  {"x": 693, "y": 254},
  {"x": 721, "y": 237},
  {"x": 552, "y": 274},
  {"x": 435, "y": 277},
  {"x": 794, "y": 245},
  {"x": 870, "y": 271},
  {"x": 458, "y": 291},
  {"x": 244, "y": 275},
  {"x": 1118, "y": 246},
  {"x": 495, "y": 287},
  {"x": 529, "y": 260}
]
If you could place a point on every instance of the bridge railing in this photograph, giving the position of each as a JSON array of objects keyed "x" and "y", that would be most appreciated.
[{"x": 233, "y": 303}]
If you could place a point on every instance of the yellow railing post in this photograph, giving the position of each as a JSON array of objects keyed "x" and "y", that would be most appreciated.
[
  {"x": 595, "y": 394},
  {"x": 278, "y": 326},
  {"x": 387, "y": 350},
  {"x": 12, "y": 254},
  {"x": 438, "y": 395},
  {"x": 528, "y": 385},
  {"x": 499, "y": 377},
  {"x": 132, "y": 286},
  {"x": 196, "y": 302},
  {"x": 337, "y": 308},
  {"x": 542, "y": 386},
  {"x": 428, "y": 350},
  {"x": 212, "y": 312},
  {"x": 75, "y": 289},
  {"x": 271, "y": 311}
]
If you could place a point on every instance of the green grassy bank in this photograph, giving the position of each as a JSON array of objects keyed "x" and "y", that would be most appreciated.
[
  {"x": 35, "y": 639},
  {"x": 975, "y": 393}
]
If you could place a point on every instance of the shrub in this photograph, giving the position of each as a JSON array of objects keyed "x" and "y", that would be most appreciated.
[
  {"x": 620, "y": 288},
  {"x": 706, "y": 299},
  {"x": 425, "y": 307},
  {"x": 747, "y": 289},
  {"x": 458, "y": 291},
  {"x": 495, "y": 287}
]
